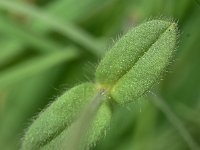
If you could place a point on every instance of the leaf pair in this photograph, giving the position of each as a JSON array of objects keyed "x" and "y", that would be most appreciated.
[
  {"x": 137, "y": 60},
  {"x": 129, "y": 69}
]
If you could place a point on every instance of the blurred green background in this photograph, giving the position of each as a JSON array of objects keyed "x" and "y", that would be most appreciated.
[{"x": 48, "y": 46}]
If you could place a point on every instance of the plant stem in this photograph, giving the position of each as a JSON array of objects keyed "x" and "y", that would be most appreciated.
[
  {"x": 175, "y": 121},
  {"x": 81, "y": 126}
]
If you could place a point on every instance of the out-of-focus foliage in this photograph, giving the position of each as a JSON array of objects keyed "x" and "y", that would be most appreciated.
[{"x": 48, "y": 46}]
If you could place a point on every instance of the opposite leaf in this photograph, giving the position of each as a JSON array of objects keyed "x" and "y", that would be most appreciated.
[
  {"x": 96, "y": 132},
  {"x": 137, "y": 60},
  {"x": 54, "y": 122}
]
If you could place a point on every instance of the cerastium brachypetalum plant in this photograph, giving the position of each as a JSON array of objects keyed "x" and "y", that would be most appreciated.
[{"x": 132, "y": 66}]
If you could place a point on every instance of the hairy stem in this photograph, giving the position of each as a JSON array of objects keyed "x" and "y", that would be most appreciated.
[{"x": 81, "y": 126}]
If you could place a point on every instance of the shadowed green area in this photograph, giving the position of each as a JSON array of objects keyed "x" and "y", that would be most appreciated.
[{"x": 48, "y": 46}]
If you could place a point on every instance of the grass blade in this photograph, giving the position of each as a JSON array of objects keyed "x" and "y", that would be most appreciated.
[
  {"x": 35, "y": 66},
  {"x": 175, "y": 121},
  {"x": 16, "y": 31},
  {"x": 9, "y": 50},
  {"x": 69, "y": 30}
]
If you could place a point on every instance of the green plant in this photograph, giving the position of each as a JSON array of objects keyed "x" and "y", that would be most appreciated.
[
  {"x": 49, "y": 46},
  {"x": 133, "y": 65}
]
